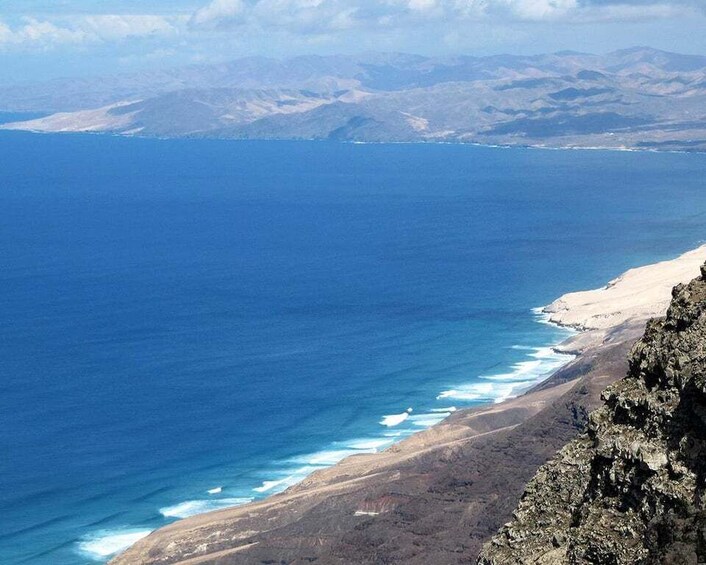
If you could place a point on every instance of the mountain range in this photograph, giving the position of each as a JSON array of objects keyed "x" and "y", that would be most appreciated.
[{"x": 637, "y": 98}]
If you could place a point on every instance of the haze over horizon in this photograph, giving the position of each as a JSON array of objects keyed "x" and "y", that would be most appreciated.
[{"x": 40, "y": 40}]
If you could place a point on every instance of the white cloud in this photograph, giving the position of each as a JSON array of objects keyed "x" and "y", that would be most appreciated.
[
  {"x": 218, "y": 12},
  {"x": 366, "y": 24},
  {"x": 423, "y": 5},
  {"x": 305, "y": 16},
  {"x": 632, "y": 12},
  {"x": 324, "y": 16},
  {"x": 44, "y": 34},
  {"x": 37, "y": 32},
  {"x": 110, "y": 27},
  {"x": 539, "y": 10}
]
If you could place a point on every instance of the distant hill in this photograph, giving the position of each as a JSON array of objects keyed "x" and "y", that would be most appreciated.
[{"x": 634, "y": 98}]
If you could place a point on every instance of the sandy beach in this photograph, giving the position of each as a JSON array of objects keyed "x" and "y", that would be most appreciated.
[
  {"x": 458, "y": 480},
  {"x": 639, "y": 293}
]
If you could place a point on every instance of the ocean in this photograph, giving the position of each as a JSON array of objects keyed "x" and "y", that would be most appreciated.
[{"x": 191, "y": 324}]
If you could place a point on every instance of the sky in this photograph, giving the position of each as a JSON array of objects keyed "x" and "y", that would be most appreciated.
[{"x": 44, "y": 39}]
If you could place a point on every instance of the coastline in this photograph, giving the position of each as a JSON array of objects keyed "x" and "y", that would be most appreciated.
[
  {"x": 637, "y": 293},
  {"x": 537, "y": 362},
  {"x": 460, "y": 142},
  {"x": 375, "y": 486}
]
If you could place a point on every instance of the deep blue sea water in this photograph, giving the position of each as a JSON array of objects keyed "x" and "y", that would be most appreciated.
[{"x": 185, "y": 316}]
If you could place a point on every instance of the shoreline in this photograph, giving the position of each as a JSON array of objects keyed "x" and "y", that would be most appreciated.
[
  {"x": 607, "y": 317},
  {"x": 530, "y": 146},
  {"x": 637, "y": 293},
  {"x": 537, "y": 364}
]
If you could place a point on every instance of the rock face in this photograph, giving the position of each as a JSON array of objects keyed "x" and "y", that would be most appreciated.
[{"x": 631, "y": 489}]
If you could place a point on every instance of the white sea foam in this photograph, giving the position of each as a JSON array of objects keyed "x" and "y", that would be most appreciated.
[
  {"x": 194, "y": 507},
  {"x": 278, "y": 485},
  {"x": 546, "y": 318},
  {"x": 399, "y": 434},
  {"x": 485, "y": 392},
  {"x": 519, "y": 371},
  {"x": 449, "y": 409},
  {"x": 369, "y": 444},
  {"x": 330, "y": 457},
  {"x": 393, "y": 420},
  {"x": 428, "y": 420},
  {"x": 522, "y": 375},
  {"x": 216, "y": 490},
  {"x": 270, "y": 485},
  {"x": 319, "y": 460},
  {"x": 101, "y": 545},
  {"x": 474, "y": 391},
  {"x": 545, "y": 360},
  {"x": 327, "y": 457},
  {"x": 292, "y": 476}
]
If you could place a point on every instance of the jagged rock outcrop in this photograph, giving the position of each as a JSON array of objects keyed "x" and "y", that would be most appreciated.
[{"x": 631, "y": 489}]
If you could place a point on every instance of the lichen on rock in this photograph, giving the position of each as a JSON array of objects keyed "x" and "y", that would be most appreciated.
[{"x": 631, "y": 489}]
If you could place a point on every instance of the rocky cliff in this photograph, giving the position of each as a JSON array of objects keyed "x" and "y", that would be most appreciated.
[{"x": 631, "y": 489}]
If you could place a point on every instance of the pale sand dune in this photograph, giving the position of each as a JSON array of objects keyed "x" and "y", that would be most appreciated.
[
  {"x": 639, "y": 293},
  {"x": 98, "y": 120}
]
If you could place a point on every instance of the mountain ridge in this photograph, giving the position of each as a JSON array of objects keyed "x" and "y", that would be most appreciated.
[{"x": 636, "y": 99}]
